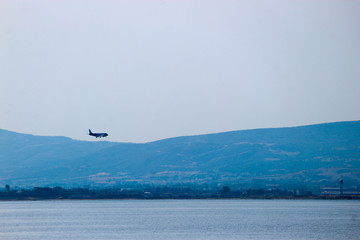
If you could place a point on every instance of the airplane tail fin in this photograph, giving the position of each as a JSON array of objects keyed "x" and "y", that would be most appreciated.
[{"x": 90, "y": 132}]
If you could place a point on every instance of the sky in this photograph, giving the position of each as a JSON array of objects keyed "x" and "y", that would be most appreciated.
[{"x": 145, "y": 70}]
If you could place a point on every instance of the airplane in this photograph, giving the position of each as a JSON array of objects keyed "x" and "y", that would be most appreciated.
[{"x": 98, "y": 134}]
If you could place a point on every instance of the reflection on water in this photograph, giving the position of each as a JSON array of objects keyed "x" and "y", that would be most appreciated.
[{"x": 180, "y": 219}]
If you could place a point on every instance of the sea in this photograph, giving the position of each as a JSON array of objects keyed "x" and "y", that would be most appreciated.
[{"x": 180, "y": 219}]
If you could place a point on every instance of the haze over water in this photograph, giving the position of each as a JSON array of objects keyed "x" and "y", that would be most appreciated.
[{"x": 180, "y": 219}]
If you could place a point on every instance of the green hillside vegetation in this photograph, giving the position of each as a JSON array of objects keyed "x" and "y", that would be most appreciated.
[{"x": 312, "y": 156}]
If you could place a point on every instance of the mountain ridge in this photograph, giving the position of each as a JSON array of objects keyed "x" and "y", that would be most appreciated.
[{"x": 316, "y": 155}]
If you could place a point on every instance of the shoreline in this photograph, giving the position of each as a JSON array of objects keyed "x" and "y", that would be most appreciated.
[{"x": 320, "y": 197}]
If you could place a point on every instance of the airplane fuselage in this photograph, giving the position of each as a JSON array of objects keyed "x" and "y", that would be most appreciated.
[{"x": 100, "y": 135}]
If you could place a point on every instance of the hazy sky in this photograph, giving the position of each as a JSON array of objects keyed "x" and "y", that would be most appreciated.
[{"x": 153, "y": 69}]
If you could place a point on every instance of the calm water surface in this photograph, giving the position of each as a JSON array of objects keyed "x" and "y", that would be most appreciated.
[{"x": 180, "y": 219}]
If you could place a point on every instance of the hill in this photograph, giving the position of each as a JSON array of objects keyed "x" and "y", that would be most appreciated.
[{"x": 313, "y": 155}]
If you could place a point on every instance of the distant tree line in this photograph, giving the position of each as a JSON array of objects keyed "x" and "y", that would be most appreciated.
[
  {"x": 159, "y": 192},
  {"x": 148, "y": 192}
]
